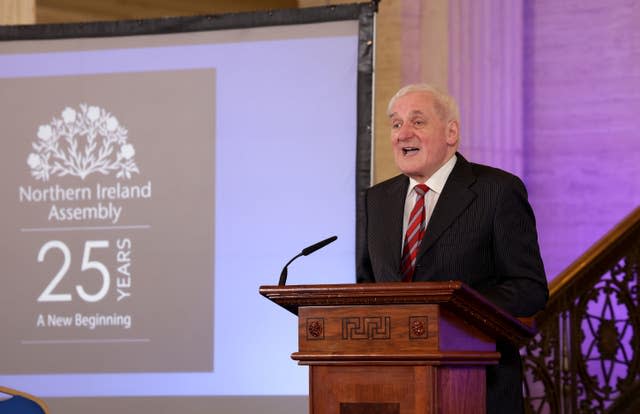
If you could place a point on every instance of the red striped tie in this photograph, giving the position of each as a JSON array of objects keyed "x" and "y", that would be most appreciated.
[{"x": 415, "y": 232}]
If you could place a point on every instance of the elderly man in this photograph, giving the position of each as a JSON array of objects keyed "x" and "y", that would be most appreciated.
[{"x": 445, "y": 218}]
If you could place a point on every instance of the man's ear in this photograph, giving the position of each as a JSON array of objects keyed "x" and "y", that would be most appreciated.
[{"x": 453, "y": 133}]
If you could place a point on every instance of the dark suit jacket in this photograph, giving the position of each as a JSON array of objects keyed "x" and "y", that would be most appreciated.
[{"x": 482, "y": 232}]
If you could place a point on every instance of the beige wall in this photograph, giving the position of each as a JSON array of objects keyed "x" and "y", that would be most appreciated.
[
  {"x": 411, "y": 46},
  {"x": 387, "y": 80},
  {"x": 17, "y": 12}
]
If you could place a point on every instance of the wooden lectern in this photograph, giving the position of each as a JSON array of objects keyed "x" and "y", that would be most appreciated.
[{"x": 396, "y": 348}]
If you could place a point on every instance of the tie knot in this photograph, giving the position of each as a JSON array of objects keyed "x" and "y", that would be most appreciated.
[{"x": 421, "y": 189}]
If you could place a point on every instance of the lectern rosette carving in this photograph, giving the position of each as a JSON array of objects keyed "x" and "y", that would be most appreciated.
[
  {"x": 418, "y": 327},
  {"x": 315, "y": 328}
]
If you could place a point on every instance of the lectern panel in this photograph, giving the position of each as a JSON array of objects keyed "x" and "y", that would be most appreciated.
[
  {"x": 390, "y": 388},
  {"x": 410, "y": 329}
]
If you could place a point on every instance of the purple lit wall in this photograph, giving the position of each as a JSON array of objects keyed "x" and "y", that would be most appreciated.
[
  {"x": 581, "y": 120},
  {"x": 485, "y": 76},
  {"x": 550, "y": 90}
]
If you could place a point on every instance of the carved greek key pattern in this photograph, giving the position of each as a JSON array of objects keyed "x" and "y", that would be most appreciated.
[{"x": 371, "y": 327}]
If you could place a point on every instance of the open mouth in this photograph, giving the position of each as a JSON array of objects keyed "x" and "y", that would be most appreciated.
[{"x": 409, "y": 150}]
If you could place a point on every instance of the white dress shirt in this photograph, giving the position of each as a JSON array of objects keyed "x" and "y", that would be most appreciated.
[{"x": 436, "y": 184}]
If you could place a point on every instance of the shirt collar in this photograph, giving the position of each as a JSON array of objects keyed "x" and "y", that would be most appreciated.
[{"x": 439, "y": 178}]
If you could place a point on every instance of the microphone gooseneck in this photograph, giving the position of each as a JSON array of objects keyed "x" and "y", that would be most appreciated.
[{"x": 305, "y": 252}]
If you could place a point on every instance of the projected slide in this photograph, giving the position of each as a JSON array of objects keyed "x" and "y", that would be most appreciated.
[
  {"x": 150, "y": 185},
  {"x": 109, "y": 229}
]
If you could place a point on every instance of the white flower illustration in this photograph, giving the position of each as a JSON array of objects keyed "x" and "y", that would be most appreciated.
[
  {"x": 112, "y": 123},
  {"x": 69, "y": 115},
  {"x": 85, "y": 141},
  {"x": 93, "y": 113},
  {"x": 127, "y": 151},
  {"x": 33, "y": 160},
  {"x": 45, "y": 132}
]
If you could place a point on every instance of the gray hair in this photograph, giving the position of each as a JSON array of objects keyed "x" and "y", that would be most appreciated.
[{"x": 445, "y": 106}]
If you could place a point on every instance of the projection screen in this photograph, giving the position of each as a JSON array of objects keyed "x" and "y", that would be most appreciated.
[{"x": 155, "y": 174}]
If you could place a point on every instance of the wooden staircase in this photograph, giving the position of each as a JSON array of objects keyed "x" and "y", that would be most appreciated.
[{"x": 586, "y": 356}]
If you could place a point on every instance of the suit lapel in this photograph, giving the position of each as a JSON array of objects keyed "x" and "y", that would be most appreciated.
[
  {"x": 396, "y": 196},
  {"x": 455, "y": 198}
]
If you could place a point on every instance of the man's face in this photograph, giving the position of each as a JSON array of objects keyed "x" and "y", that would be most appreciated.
[{"x": 421, "y": 141}]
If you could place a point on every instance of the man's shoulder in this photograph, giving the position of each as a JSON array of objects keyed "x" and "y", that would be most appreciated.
[
  {"x": 389, "y": 184},
  {"x": 489, "y": 174}
]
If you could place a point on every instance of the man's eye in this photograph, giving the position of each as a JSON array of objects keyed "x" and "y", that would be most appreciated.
[
  {"x": 418, "y": 122},
  {"x": 396, "y": 125}
]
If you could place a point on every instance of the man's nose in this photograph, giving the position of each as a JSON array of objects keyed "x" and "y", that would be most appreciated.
[{"x": 404, "y": 132}]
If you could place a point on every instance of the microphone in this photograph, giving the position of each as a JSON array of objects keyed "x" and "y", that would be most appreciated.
[{"x": 305, "y": 252}]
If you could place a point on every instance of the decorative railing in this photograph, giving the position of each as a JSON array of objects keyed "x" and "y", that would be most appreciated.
[{"x": 586, "y": 356}]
